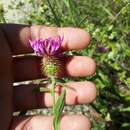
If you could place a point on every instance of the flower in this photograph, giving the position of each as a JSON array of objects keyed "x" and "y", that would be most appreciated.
[
  {"x": 47, "y": 47},
  {"x": 50, "y": 50}
]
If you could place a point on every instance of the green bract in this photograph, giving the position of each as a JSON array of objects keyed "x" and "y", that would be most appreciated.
[{"x": 50, "y": 69}]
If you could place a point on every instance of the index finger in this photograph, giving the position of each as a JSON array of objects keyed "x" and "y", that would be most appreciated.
[{"x": 18, "y": 36}]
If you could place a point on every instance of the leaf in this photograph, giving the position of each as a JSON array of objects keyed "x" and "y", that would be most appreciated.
[
  {"x": 125, "y": 109},
  {"x": 41, "y": 89}
]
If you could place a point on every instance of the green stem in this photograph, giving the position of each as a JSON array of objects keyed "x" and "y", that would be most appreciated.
[
  {"x": 58, "y": 104},
  {"x": 53, "y": 81}
]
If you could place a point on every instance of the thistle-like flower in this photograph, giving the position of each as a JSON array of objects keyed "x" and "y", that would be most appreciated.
[
  {"x": 50, "y": 50},
  {"x": 47, "y": 47}
]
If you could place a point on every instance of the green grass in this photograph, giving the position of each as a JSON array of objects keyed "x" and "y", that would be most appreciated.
[{"x": 108, "y": 22}]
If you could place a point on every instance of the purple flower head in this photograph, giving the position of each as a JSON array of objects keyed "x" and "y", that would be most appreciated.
[{"x": 49, "y": 46}]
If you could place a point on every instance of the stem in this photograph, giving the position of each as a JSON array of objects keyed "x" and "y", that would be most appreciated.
[
  {"x": 53, "y": 81},
  {"x": 58, "y": 104}
]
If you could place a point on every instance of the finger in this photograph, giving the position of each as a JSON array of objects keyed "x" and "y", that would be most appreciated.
[
  {"x": 76, "y": 93},
  {"x": 28, "y": 68},
  {"x": 72, "y": 122},
  {"x": 18, "y": 36},
  {"x": 74, "y": 38}
]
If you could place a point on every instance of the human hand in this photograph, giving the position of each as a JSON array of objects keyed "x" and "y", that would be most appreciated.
[{"x": 14, "y": 41}]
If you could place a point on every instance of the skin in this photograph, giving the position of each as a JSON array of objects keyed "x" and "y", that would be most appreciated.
[{"x": 14, "y": 41}]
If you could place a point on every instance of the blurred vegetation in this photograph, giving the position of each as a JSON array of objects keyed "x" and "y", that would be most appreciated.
[{"x": 108, "y": 22}]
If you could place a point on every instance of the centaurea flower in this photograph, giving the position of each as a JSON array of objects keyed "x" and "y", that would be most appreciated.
[
  {"x": 50, "y": 51},
  {"x": 47, "y": 47}
]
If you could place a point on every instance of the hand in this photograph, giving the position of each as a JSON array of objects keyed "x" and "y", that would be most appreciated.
[{"x": 14, "y": 41}]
